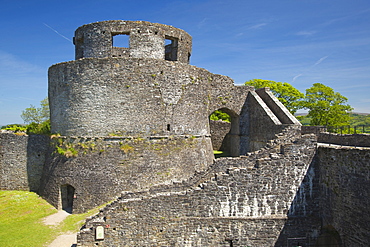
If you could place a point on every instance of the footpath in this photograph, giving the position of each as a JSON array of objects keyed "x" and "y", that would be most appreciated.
[{"x": 65, "y": 240}]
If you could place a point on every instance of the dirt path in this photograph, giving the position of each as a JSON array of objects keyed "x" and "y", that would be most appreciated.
[{"x": 65, "y": 240}]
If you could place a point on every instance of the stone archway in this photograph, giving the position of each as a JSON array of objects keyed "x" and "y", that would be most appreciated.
[
  {"x": 225, "y": 135},
  {"x": 67, "y": 193}
]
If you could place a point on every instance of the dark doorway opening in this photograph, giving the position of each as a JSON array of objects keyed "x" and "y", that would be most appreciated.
[
  {"x": 67, "y": 195},
  {"x": 329, "y": 237}
]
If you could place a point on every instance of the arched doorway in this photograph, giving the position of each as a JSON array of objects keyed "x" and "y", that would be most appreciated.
[
  {"x": 329, "y": 237},
  {"x": 67, "y": 193},
  {"x": 224, "y": 129}
]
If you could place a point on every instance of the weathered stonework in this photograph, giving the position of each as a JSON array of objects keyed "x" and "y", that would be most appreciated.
[
  {"x": 104, "y": 167},
  {"x": 22, "y": 159},
  {"x": 219, "y": 131},
  {"x": 134, "y": 129},
  {"x": 344, "y": 185},
  {"x": 142, "y": 92},
  {"x": 241, "y": 201}
]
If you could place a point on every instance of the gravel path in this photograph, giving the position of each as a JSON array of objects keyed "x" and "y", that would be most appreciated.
[{"x": 67, "y": 239}]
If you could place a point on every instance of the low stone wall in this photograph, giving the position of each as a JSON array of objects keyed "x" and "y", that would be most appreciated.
[
  {"x": 22, "y": 159},
  {"x": 312, "y": 129},
  {"x": 359, "y": 140}
]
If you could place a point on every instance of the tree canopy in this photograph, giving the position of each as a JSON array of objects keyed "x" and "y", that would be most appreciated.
[
  {"x": 37, "y": 120},
  {"x": 36, "y": 115},
  {"x": 291, "y": 97},
  {"x": 326, "y": 107}
]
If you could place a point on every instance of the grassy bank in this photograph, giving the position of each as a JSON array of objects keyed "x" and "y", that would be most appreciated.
[
  {"x": 20, "y": 219},
  {"x": 21, "y": 215}
]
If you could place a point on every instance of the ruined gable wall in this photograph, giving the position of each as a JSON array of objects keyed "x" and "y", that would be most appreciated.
[{"x": 259, "y": 125}]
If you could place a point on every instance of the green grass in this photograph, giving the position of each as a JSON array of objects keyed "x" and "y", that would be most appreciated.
[
  {"x": 21, "y": 215},
  {"x": 20, "y": 219},
  {"x": 219, "y": 153},
  {"x": 75, "y": 221}
]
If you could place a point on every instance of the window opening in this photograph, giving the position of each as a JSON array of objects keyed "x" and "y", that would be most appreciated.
[
  {"x": 168, "y": 127},
  {"x": 170, "y": 47},
  {"x": 167, "y": 42},
  {"x": 121, "y": 40}
]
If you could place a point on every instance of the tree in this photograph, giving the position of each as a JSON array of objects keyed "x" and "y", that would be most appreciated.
[
  {"x": 326, "y": 107},
  {"x": 291, "y": 97},
  {"x": 36, "y": 115},
  {"x": 220, "y": 115}
]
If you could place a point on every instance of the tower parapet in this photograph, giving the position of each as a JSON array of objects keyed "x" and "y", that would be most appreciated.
[{"x": 146, "y": 40}]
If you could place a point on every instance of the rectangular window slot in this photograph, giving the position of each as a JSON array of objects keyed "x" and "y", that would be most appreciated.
[{"x": 121, "y": 40}]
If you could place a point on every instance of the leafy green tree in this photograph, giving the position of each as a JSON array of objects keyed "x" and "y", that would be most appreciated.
[
  {"x": 37, "y": 119},
  {"x": 41, "y": 128},
  {"x": 220, "y": 115},
  {"x": 291, "y": 97},
  {"x": 15, "y": 127},
  {"x": 37, "y": 115},
  {"x": 326, "y": 107}
]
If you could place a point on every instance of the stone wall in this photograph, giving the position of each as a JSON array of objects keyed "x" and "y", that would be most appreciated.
[
  {"x": 146, "y": 40},
  {"x": 312, "y": 129},
  {"x": 259, "y": 125},
  {"x": 282, "y": 195},
  {"x": 137, "y": 97},
  {"x": 104, "y": 167},
  {"x": 219, "y": 131},
  {"x": 22, "y": 159},
  {"x": 279, "y": 110},
  {"x": 240, "y": 202},
  {"x": 359, "y": 140},
  {"x": 344, "y": 181},
  {"x": 13, "y": 161}
]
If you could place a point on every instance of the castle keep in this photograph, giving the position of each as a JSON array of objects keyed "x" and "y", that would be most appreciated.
[{"x": 135, "y": 131}]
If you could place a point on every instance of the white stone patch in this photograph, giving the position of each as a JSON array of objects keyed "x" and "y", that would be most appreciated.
[
  {"x": 224, "y": 208},
  {"x": 246, "y": 208},
  {"x": 255, "y": 207},
  {"x": 265, "y": 207}
]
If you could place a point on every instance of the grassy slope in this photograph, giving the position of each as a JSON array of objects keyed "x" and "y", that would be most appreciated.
[
  {"x": 20, "y": 219},
  {"x": 21, "y": 214}
]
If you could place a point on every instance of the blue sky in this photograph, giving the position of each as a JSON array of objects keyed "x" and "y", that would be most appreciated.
[{"x": 296, "y": 41}]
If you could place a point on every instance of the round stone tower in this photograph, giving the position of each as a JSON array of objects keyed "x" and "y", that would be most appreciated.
[
  {"x": 145, "y": 87},
  {"x": 141, "y": 103}
]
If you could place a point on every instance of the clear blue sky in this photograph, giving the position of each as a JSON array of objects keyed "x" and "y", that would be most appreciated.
[{"x": 296, "y": 41}]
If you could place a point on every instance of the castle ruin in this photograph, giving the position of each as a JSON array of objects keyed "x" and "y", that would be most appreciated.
[{"x": 135, "y": 131}]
